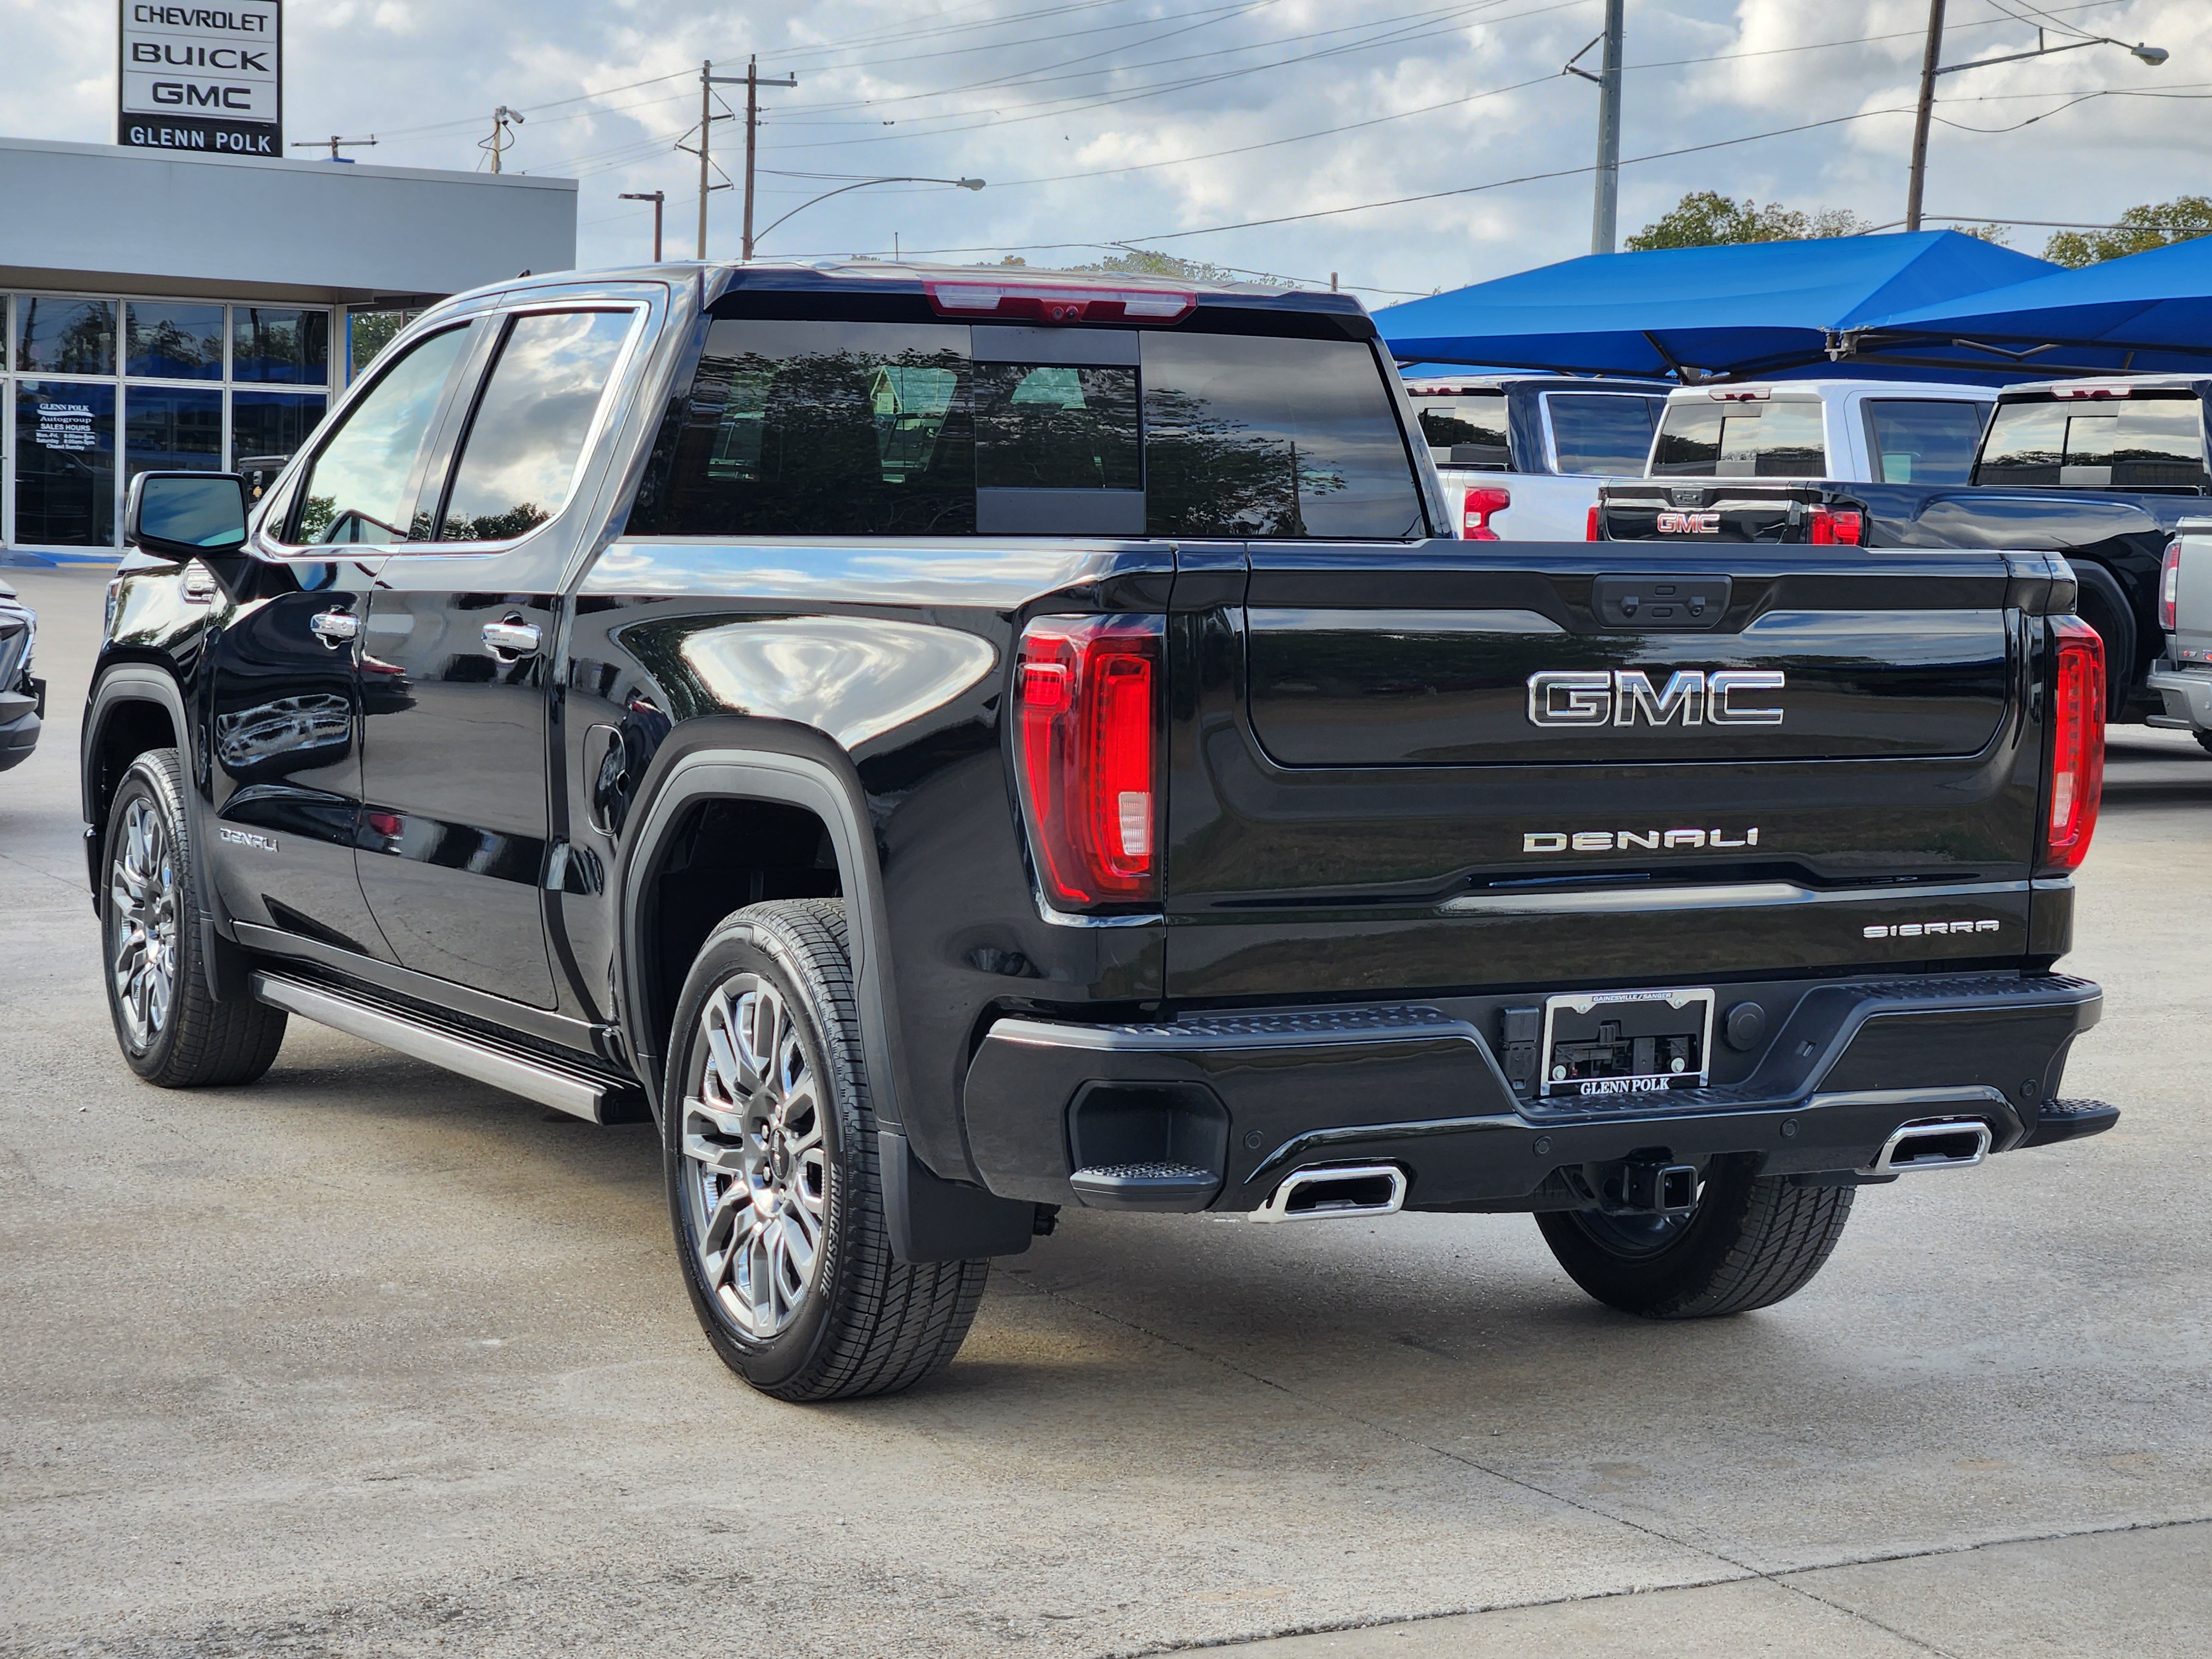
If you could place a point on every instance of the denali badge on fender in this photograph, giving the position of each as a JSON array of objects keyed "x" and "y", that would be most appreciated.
[{"x": 1599, "y": 697}]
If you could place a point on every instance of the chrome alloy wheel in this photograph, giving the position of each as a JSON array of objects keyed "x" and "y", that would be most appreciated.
[
  {"x": 757, "y": 1170},
  {"x": 141, "y": 902}
]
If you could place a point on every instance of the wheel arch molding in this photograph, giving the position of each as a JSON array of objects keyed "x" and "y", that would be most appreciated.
[
  {"x": 120, "y": 725},
  {"x": 743, "y": 761}
]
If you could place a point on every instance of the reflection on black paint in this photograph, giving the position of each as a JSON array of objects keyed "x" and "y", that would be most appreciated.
[{"x": 452, "y": 845}]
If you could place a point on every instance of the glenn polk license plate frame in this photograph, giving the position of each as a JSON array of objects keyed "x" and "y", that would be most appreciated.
[{"x": 1585, "y": 1002}]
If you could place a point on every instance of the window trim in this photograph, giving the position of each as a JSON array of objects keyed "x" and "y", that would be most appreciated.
[
  {"x": 457, "y": 420},
  {"x": 319, "y": 552}
]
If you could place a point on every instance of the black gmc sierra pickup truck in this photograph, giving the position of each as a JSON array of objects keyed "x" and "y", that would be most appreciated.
[
  {"x": 2100, "y": 472},
  {"x": 951, "y": 745}
]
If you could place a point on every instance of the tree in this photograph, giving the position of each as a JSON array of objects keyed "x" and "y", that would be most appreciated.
[
  {"x": 1706, "y": 218},
  {"x": 2153, "y": 224},
  {"x": 1146, "y": 262}
]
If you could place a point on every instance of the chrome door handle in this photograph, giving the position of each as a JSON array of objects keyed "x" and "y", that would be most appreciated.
[
  {"x": 334, "y": 628},
  {"x": 511, "y": 639}
]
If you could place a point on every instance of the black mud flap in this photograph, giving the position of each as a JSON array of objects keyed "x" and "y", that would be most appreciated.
[{"x": 932, "y": 1219}]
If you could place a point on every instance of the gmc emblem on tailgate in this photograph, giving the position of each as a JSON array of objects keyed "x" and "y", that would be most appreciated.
[
  {"x": 1689, "y": 524},
  {"x": 1591, "y": 698}
]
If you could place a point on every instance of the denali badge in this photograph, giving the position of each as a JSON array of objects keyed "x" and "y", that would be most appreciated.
[
  {"x": 1596, "y": 697},
  {"x": 1689, "y": 524},
  {"x": 248, "y": 838},
  {"x": 1626, "y": 841}
]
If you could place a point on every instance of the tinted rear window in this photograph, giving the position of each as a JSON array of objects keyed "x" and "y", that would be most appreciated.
[
  {"x": 1466, "y": 430},
  {"x": 1601, "y": 432},
  {"x": 860, "y": 428},
  {"x": 1923, "y": 439},
  {"x": 2136, "y": 443},
  {"x": 1715, "y": 439}
]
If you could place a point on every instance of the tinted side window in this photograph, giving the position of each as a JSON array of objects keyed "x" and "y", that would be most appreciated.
[
  {"x": 359, "y": 488},
  {"x": 2145, "y": 443},
  {"x": 808, "y": 429},
  {"x": 1601, "y": 432},
  {"x": 1250, "y": 436},
  {"x": 1467, "y": 431},
  {"x": 527, "y": 434},
  {"x": 1923, "y": 439}
]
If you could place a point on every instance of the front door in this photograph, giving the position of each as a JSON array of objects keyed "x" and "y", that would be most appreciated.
[
  {"x": 284, "y": 690},
  {"x": 456, "y": 655}
]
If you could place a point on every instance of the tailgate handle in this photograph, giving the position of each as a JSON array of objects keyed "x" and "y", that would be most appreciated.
[{"x": 1660, "y": 602}]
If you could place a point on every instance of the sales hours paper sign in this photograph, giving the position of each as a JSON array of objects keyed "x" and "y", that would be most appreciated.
[{"x": 206, "y": 77}]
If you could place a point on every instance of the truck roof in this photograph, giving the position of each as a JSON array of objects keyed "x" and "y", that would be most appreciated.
[
  {"x": 2024, "y": 389},
  {"x": 1426, "y": 383},
  {"x": 1759, "y": 390},
  {"x": 885, "y": 278}
]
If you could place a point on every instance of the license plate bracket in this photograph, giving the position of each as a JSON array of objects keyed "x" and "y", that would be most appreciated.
[{"x": 1599, "y": 1044}]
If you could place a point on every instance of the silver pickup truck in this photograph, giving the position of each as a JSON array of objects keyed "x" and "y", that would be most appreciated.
[{"x": 2183, "y": 675}]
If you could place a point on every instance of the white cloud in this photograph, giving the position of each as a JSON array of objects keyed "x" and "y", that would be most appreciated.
[{"x": 1023, "y": 90}]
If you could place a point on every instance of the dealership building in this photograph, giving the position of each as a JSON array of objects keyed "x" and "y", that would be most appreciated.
[{"x": 176, "y": 308}]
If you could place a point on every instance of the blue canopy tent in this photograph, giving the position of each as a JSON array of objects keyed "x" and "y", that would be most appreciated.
[
  {"x": 2148, "y": 312},
  {"x": 1694, "y": 313}
]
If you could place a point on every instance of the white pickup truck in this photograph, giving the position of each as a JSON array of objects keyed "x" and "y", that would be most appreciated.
[
  {"x": 1858, "y": 431},
  {"x": 1521, "y": 455},
  {"x": 2183, "y": 675}
]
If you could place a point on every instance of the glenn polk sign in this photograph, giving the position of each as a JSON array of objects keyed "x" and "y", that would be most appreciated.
[{"x": 203, "y": 77}]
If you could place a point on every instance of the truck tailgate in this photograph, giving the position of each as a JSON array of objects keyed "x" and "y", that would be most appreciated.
[{"x": 1456, "y": 765}]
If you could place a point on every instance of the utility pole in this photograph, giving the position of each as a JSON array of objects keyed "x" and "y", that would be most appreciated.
[
  {"x": 657, "y": 197},
  {"x": 333, "y": 141},
  {"x": 753, "y": 84},
  {"x": 1928, "y": 72},
  {"x": 1606, "y": 209},
  {"x": 707, "y": 82}
]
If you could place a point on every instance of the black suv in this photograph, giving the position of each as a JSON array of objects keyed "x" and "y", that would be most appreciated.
[{"x": 953, "y": 744}]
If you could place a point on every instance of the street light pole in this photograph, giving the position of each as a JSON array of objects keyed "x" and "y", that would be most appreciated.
[
  {"x": 862, "y": 183},
  {"x": 1931, "y": 69},
  {"x": 655, "y": 197}
]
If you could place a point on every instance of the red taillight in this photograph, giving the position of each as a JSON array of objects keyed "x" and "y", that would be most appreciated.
[
  {"x": 1086, "y": 723},
  {"x": 2077, "y": 744},
  {"x": 2169, "y": 585},
  {"x": 1474, "y": 513},
  {"x": 1591, "y": 526},
  {"x": 1836, "y": 527}
]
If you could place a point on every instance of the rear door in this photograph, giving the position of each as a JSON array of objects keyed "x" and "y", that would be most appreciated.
[{"x": 461, "y": 633}]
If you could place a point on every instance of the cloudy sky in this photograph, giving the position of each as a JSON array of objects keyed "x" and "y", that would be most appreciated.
[{"x": 1277, "y": 135}]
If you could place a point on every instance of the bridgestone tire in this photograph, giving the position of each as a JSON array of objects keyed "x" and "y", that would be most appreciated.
[
  {"x": 1749, "y": 1244},
  {"x": 199, "y": 1040},
  {"x": 867, "y": 1324}
]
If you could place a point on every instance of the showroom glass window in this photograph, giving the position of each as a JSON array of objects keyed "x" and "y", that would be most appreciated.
[{"x": 102, "y": 387}]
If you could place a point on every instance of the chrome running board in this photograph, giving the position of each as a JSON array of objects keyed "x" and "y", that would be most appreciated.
[{"x": 573, "y": 1088}]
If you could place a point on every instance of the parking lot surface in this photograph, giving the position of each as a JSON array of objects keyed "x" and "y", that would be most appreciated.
[{"x": 368, "y": 1359}]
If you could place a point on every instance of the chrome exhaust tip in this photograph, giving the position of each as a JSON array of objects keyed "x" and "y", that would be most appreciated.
[
  {"x": 1951, "y": 1144},
  {"x": 1351, "y": 1189}
]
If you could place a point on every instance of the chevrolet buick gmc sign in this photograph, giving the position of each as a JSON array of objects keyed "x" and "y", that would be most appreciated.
[{"x": 203, "y": 77}]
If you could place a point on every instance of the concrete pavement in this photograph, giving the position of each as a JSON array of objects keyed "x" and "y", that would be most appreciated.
[{"x": 366, "y": 1358}]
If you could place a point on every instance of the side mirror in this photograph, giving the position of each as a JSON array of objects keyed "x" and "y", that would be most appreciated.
[{"x": 186, "y": 516}]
